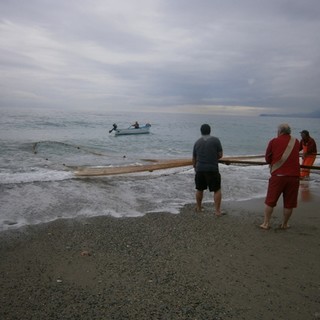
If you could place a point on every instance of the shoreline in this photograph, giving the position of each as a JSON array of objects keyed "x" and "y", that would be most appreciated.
[{"x": 165, "y": 266}]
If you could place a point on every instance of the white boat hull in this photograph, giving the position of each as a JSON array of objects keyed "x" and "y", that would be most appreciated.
[{"x": 141, "y": 130}]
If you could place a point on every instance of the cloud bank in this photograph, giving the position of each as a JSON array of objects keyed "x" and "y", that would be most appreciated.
[{"x": 247, "y": 56}]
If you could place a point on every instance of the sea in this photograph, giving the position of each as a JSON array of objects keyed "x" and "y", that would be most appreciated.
[{"x": 40, "y": 150}]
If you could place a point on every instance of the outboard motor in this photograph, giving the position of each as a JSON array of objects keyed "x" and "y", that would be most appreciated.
[{"x": 114, "y": 127}]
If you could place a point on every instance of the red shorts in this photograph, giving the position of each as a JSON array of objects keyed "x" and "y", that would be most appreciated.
[{"x": 287, "y": 186}]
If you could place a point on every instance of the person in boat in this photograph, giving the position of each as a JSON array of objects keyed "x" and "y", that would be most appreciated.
[
  {"x": 309, "y": 152},
  {"x": 282, "y": 154},
  {"x": 136, "y": 125},
  {"x": 206, "y": 152}
]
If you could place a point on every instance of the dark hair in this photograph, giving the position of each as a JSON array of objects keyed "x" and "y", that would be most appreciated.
[
  {"x": 205, "y": 129},
  {"x": 306, "y": 132}
]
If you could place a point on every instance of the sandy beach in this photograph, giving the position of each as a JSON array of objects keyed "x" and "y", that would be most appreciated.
[{"x": 165, "y": 266}]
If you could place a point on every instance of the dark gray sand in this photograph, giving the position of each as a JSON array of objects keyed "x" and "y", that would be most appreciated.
[{"x": 164, "y": 266}]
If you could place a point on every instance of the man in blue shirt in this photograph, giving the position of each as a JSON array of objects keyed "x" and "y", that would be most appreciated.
[{"x": 206, "y": 152}]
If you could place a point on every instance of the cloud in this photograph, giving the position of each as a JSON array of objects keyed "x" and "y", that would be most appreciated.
[{"x": 192, "y": 56}]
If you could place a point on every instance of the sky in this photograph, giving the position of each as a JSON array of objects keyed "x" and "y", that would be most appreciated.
[{"x": 193, "y": 56}]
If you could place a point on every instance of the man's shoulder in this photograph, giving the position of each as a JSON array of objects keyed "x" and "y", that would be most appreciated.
[
  {"x": 214, "y": 139},
  {"x": 207, "y": 138},
  {"x": 275, "y": 141},
  {"x": 283, "y": 139},
  {"x": 199, "y": 140}
]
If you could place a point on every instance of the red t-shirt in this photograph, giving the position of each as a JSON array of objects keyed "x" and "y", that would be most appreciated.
[{"x": 276, "y": 148}]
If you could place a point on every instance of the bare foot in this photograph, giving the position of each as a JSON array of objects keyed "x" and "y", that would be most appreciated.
[
  {"x": 199, "y": 210},
  {"x": 264, "y": 226},
  {"x": 284, "y": 227},
  {"x": 219, "y": 213}
]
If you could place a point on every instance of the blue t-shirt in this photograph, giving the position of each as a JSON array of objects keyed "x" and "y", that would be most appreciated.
[{"x": 206, "y": 152}]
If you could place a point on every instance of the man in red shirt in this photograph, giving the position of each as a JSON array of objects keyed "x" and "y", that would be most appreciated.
[
  {"x": 309, "y": 152},
  {"x": 282, "y": 154}
]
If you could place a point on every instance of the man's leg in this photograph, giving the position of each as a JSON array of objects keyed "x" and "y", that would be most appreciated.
[
  {"x": 267, "y": 216},
  {"x": 286, "y": 216},
  {"x": 199, "y": 196},
  {"x": 217, "y": 196},
  {"x": 304, "y": 172},
  {"x": 307, "y": 161}
]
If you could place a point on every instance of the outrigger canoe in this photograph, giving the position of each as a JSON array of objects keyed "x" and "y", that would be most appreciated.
[{"x": 130, "y": 130}]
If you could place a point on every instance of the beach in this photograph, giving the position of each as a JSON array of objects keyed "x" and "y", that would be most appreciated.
[{"x": 165, "y": 266}]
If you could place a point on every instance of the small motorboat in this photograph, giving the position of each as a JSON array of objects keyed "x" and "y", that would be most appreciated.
[{"x": 133, "y": 129}]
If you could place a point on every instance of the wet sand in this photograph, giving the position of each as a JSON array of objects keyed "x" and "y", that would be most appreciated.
[{"x": 165, "y": 266}]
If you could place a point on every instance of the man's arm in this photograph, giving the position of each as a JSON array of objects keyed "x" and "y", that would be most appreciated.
[
  {"x": 312, "y": 147},
  {"x": 194, "y": 161},
  {"x": 268, "y": 154}
]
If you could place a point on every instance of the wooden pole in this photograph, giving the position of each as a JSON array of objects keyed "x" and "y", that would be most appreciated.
[{"x": 164, "y": 164}]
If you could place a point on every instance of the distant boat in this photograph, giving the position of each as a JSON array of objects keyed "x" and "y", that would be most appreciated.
[{"x": 131, "y": 130}]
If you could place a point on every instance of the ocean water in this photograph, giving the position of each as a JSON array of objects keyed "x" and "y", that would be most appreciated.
[{"x": 40, "y": 150}]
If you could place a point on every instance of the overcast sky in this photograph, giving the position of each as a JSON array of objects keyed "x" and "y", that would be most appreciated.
[{"x": 252, "y": 56}]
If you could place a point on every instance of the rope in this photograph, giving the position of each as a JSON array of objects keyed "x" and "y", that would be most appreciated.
[{"x": 255, "y": 163}]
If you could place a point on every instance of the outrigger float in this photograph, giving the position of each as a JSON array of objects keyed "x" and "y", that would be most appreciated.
[{"x": 166, "y": 164}]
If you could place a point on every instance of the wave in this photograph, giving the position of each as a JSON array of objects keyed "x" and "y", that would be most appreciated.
[{"x": 38, "y": 175}]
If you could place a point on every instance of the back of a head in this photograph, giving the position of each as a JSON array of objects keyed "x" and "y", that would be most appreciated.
[
  {"x": 284, "y": 128},
  {"x": 305, "y": 132},
  {"x": 205, "y": 129}
]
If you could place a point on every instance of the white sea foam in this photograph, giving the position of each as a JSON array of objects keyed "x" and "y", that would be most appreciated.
[{"x": 35, "y": 175}]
